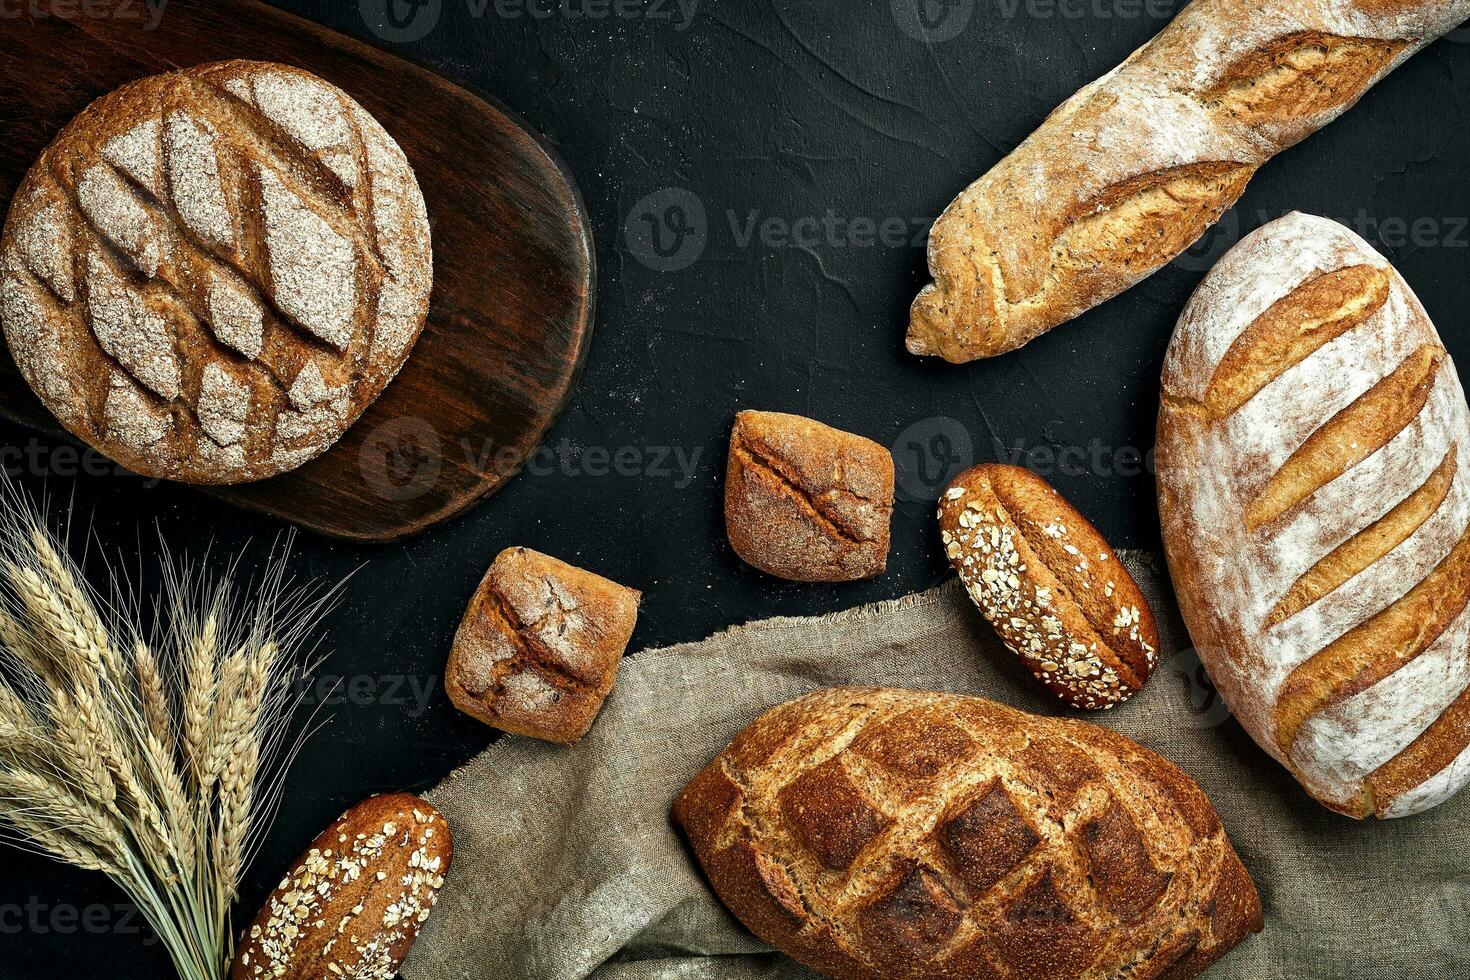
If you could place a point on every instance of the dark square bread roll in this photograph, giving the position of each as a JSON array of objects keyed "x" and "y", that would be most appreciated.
[
  {"x": 538, "y": 650},
  {"x": 805, "y": 501}
]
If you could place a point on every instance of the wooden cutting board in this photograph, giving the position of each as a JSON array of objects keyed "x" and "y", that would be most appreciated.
[{"x": 511, "y": 314}]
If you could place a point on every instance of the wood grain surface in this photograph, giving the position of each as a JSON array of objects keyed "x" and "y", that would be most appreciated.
[{"x": 511, "y": 313}]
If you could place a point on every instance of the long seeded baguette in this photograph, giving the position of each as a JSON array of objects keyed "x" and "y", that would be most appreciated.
[
  {"x": 1131, "y": 170},
  {"x": 1314, "y": 490},
  {"x": 873, "y": 834}
]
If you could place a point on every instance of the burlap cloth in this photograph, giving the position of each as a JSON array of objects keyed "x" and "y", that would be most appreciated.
[{"x": 566, "y": 864}]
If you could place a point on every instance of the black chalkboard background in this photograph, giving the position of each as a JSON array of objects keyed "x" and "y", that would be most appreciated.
[{"x": 760, "y": 175}]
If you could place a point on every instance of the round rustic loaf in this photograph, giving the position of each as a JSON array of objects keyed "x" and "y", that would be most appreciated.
[
  {"x": 210, "y": 273},
  {"x": 874, "y": 834}
]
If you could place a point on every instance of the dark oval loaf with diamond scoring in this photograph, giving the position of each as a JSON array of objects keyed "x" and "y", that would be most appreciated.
[
  {"x": 873, "y": 834},
  {"x": 211, "y": 273}
]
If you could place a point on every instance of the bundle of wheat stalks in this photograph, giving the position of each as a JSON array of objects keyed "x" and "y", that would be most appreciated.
[{"x": 152, "y": 755}]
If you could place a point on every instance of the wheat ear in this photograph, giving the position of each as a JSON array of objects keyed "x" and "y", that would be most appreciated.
[
  {"x": 202, "y": 682},
  {"x": 55, "y": 843},
  {"x": 54, "y": 803},
  {"x": 241, "y": 764},
  {"x": 20, "y": 736},
  {"x": 21, "y": 645},
  {"x": 73, "y": 648},
  {"x": 70, "y": 596},
  {"x": 78, "y": 751},
  {"x": 151, "y": 692}
]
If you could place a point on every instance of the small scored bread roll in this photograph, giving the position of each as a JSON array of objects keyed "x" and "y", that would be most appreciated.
[
  {"x": 1053, "y": 589},
  {"x": 805, "y": 501},
  {"x": 539, "y": 646}
]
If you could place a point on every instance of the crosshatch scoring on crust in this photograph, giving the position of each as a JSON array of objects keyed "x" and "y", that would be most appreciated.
[{"x": 211, "y": 273}]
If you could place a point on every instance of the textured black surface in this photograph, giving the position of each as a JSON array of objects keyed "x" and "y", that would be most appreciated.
[{"x": 771, "y": 115}]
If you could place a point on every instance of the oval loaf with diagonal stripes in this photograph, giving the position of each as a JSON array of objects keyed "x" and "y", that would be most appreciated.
[
  {"x": 875, "y": 834},
  {"x": 210, "y": 273},
  {"x": 1314, "y": 488}
]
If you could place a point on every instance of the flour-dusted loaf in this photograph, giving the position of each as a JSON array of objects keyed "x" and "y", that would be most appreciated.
[
  {"x": 805, "y": 501},
  {"x": 1314, "y": 488},
  {"x": 1049, "y": 584},
  {"x": 539, "y": 646},
  {"x": 212, "y": 272},
  {"x": 1127, "y": 173},
  {"x": 352, "y": 905},
  {"x": 874, "y": 834}
]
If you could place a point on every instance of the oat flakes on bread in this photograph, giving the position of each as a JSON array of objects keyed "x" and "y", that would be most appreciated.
[
  {"x": 805, "y": 501},
  {"x": 539, "y": 647},
  {"x": 1049, "y": 584},
  {"x": 353, "y": 904},
  {"x": 1130, "y": 171},
  {"x": 211, "y": 273},
  {"x": 1314, "y": 495},
  {"x": 872, "y": 834}
]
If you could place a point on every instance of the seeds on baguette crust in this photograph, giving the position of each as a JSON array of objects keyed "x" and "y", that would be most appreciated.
[
  {"x": 352, "y": 906},
  {"x": 1058, "y": 598}
]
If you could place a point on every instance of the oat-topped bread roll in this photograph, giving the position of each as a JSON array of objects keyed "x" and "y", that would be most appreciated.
[
  {"x": 539, "y": 646},
  {"x": 1314, "y": 487},
  {"x": 805, "y": 501},
  {"x": 873, "y": 834},
  {"x": 211, "y": 273},
  {"x": 1049, "y": 584},
  {"x": 352, "y": 905},
  {"x": 1132, "y": 169}
]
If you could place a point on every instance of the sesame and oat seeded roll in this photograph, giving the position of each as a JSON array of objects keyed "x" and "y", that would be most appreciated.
[{"x": 1049, "y": 584}]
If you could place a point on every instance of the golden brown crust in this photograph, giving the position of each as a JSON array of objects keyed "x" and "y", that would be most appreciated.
[
  {"x": 539, "y": 647},
  {"x": 353, "y": 904},
  {"x": 1370, "y": 544},
  {"x": 211, "y": 273},
  {"x": 1440, "y": 745},
  {"x": 1133, "y": 168},
  {"x": 805, "y": 501},
  {"x": 1300, "y": 75},
  {"x": 1315, "y": 314},
  {"x": 1378, "y": 647},
  {"x": 1349, "y": 437},
  {"x": 968, "y": 860},
  {"x": 1050, "y": 585}
]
